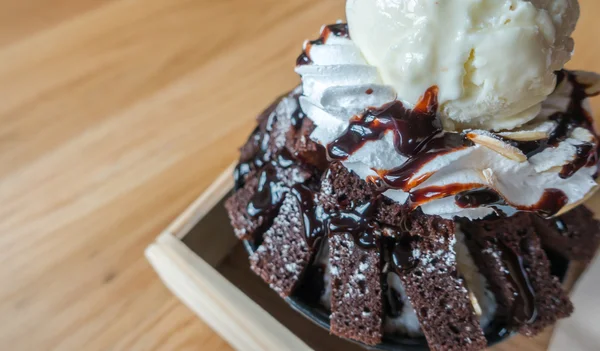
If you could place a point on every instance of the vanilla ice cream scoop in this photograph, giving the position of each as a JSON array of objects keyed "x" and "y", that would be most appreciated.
[{"x": 494, "y": 62}]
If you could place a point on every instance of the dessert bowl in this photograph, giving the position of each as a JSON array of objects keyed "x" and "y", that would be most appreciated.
[{"x": 494, "y": 333}]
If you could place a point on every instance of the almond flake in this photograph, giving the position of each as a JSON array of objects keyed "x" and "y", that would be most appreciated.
[
  {"x": 573, "y": 205},
  {"x": 475, "y": 304},
  {"x": 590, "y": 80},
  {"x": 498, "y": 146},
  {"x": 528, "y": 135}
]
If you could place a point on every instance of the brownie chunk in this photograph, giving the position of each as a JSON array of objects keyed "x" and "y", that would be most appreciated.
[
  {"x": 342, "y": 189},
  {"x": 425, "y": 261},
  {"x": 306, "y": 150},
  {"x": 509, "y": 254},
  {"x": 269, "y": 165},
  {"x": 244, "y": 225},
  {"x": 356, "y": 297},
  {"x": 267, "y": 188},
  {"x": 575, "y": 235},
  {"x": 284, "y": 254}
]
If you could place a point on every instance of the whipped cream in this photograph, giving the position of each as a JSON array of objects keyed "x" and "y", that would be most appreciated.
[
  {"x": 339, "y": 85},
  {"x": 493, "y": 61}
]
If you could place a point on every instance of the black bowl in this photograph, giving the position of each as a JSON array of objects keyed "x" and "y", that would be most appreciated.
[{"x": 494, "y": 333}]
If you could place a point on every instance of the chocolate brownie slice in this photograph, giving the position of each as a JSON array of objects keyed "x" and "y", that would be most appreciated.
[
  {"x": 509, "y": 254},
  {"x": 575, "y": 235},
  {"x": 269, "y": 166},
  {"x": 425, "y": 261},
  {"x": 342, "y": 189},
  {"x": 253, "y": 207},
  {"x": 306, "y": 150},
  {"x": 284, "y": 254},
  {"x": 356, "y": 297}
]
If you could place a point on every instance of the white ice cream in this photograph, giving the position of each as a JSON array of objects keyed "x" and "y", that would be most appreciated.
[
  {"x": 340, "y": 83},
  {"x": 493, "y": 61}
]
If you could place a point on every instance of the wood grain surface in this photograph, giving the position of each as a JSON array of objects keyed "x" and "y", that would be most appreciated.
[{"x": 114, "y": 116}]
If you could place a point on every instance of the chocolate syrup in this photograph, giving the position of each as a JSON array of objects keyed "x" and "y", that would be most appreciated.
[
  {"x": 338, "y": 30},
  {"x": 561, "y": 226},
  {"x": 358, "y": 222},
  {"x": 397, "y": 254},
  {"x": 551, "y": 202},
  {"x": 314, "y": 228},
  {"x": 402, "y": 258},
  {"x": 585, "y": 155},
  {"x": 259, "y": 141},
  {"x": 479, "y": 197},
  {"x": 420, "y": 196},
  {"x": 403, "y": 177},
  {"x": 269, "y": 195},
  {"x": 524, "y": 306},
  {"x": 411, "y": 129},
  {"x": 575, "y": 116}
]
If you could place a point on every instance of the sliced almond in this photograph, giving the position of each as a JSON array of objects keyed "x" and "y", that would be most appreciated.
[
  {"x": 555, "y": 169},
  {"x": 528, "y": 135},
  {"x": 498, "y": 146},
  {"x": 475, "y": 304},
  {"x": 583, "y": 135},
  {"x": 590, "y": 80},
  {"x": 580, "y": 202}
]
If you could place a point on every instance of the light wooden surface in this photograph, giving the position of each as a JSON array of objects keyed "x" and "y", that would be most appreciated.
[{"x": 114, "y": 116}]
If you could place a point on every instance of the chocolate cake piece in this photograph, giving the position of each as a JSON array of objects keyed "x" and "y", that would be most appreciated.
[
  {"x": 269, "y": 166},
  {"x": 277, "y": 126},
  {"x": 509, "y": 253},
  {"x": 244, "y": 225},
  {"x": 305, "y": 149},
  {"x": 575, "y": 235},
  {"x": 284, "y": 254},
  {"x": 257, "y": 203},
  {"x": 342, "y": 189},
  {"x": 356, "y": 297},
  {"x": 425, "y": 261}
]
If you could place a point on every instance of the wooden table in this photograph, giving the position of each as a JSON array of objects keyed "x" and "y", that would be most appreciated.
[{"x": 114, "y": 115}]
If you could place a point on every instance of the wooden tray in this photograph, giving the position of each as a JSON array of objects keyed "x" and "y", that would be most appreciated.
[{"x": 199, "y": 258}]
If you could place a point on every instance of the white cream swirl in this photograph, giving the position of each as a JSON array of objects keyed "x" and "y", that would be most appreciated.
[{"x": 338, "y": 84}]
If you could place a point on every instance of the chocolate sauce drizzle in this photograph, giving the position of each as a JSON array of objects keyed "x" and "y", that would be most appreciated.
[
  {"x": 402, "y": 258},
  {"x": 524, "y": 306},
  {"x": 314, "y": 228},
  {"x": 358, "y": 222},
  {"x": 423, "y": 195},
  {"x": 561, "y": 226},
  {"x": 397, "y": 256},
  {"x": 585, "y": 155},
  {"x": 260, "y": 139},
  {"x": 270, "y": 192},
  {"x": 412, "y": 129},
  {"x": 338, "y": 30},
  {"x": 551, "y": 202},
  {"x": 575, "y": 116}
]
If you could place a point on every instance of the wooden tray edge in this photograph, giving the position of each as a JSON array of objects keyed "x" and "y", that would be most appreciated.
[
  {"x": 226, "y": 309},
  {"x": 232, "y": 314}
]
